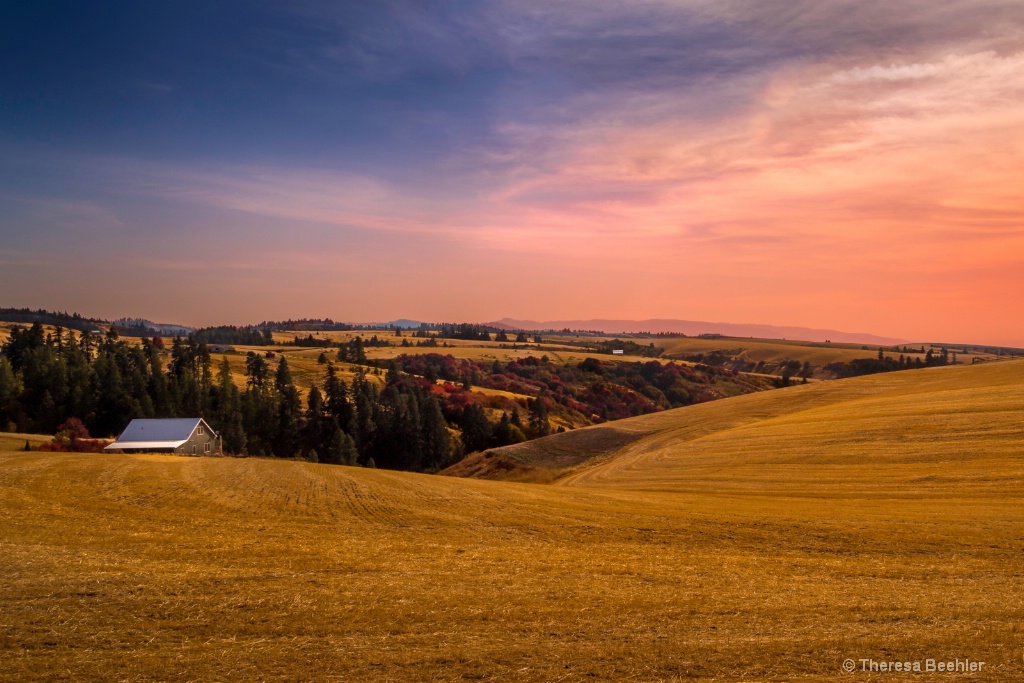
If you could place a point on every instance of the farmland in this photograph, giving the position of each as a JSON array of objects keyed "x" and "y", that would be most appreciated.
[
  {"x": 914, "y": 419},
  {"x": 95, "y": 384},
  {"x": 762, "y": 537}
]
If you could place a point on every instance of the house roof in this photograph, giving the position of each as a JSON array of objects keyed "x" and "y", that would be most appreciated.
[
  {"x": 145, "y": 434},
  {"x": 143, "y": 445}
]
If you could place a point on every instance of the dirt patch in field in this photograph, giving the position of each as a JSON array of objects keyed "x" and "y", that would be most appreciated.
[{"x": 544, "y": 460}]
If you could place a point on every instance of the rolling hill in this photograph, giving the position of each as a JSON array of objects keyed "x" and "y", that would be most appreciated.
[
  {"x": 764, "y": 537},
  {"x": 903, "y": 424}
]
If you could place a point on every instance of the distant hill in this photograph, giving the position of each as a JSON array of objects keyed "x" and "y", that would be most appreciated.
[
  {"x": 56, "y": 318},
  {"x": 150, "y": 327},
  {"x": 695, "y": 327},
  {"x": 404, "y": 323}
]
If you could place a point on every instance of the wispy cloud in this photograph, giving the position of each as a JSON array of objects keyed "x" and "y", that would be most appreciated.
[{"x": 793, "y": 153}]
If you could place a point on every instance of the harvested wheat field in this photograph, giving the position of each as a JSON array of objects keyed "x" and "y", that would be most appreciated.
[
  {"x": 765, "y": 537},
  {"x": 816, "y": 353}
]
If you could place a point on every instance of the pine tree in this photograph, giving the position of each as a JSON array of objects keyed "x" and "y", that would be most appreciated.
[
  {"x": 289, "y": 408},
  {"x": 316, "y": 429},
  {"x": 348, "y": 455},
  {"x": 157, "y": 384},
  {"x": 437, "y": 445},
  {"x": 228, "y": 417},
  {"x": 476, "y": 430},
  {"x": 357, "y": 354},
  {"x": 256, "y": 371},
  {"x": 336, "y": 400},
  {"x": 502, "y": 435},
  {"x": 259, "y": 407},
  {"x": 365, "y": 419},
  {"x": 539, "y": 423},
  {"x": 10, "y": 388}
]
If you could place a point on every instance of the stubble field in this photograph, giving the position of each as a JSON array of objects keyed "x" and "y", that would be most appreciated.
[{"x": 771, "y": 545}]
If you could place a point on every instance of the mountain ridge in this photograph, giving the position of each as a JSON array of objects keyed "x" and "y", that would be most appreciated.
[{"x": 697, "y": 327}]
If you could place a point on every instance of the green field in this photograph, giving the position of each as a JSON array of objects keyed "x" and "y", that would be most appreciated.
[{"x": 763, "y": 537}]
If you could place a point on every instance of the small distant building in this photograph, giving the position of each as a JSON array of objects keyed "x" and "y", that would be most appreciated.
[
  {"x": 617, "y": 352},
  {"x": 184, "y": 436}
]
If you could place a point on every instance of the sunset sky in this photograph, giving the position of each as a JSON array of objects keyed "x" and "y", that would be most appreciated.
[{"x": 852, "y": 165}]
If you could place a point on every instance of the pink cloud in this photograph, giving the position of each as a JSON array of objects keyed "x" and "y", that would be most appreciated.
[{"x": 874, "y": 192}]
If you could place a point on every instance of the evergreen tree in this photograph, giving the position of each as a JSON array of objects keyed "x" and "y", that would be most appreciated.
[
  {"x": 157, "y": 384},
  {"x": 365, "y": 419},
  {"x": 113, "y": 402},
  {"x": 476, "y": 430},
  {"x": 317, "y": 423},
  {"x": 87, "y": 345},
  {"x": 356, "y": 353},
  {"x": 404, "y": 434},
  {"x": 289, "y": 409},
  {"x": 10, "y": 389},
  {"x": 256, "y": 370},
  {"x": 332, "y": 443},
  {"x": 46, "y": 415},
  {"x": 259, "y": 407},
  {"x": 437, "y": 446},
  {"x": 228, "y": 419},
  {"x": 346, "y": 449},
  {"x": 21, "y": 342},
  {"x": 336, "y": 400},
  {"x": 539, "y": 423},
  {"x": 502, "y": 435}
]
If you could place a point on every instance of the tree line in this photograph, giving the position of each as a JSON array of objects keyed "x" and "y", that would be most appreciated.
[
  {"x": 229, "y": 334},
  {"x": 409, "y": 423}
]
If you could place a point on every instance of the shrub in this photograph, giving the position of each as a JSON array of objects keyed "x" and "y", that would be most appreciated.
[{"x": 73, "y": 437}]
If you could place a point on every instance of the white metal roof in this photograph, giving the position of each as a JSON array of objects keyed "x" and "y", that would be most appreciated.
[
  {"x": 143, "y": 445},
  {"x": 170, "y": 433}
]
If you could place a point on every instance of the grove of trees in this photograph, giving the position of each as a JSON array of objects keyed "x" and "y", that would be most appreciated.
[
  {"x": 423, "y": 414},
  {"x": 47, "y": 379}
]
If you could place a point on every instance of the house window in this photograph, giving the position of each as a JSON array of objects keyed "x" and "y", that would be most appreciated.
[
  {"x": 193, "y": 449},
  {"x": 206, "y": 448},
  {"x": 200, "y": 431}
]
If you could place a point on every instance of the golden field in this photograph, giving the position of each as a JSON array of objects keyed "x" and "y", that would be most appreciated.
[
  {"x": 912, "y": 420},
  {"x": 764, "y": 537},
  {"x": 817, "y": 354}
]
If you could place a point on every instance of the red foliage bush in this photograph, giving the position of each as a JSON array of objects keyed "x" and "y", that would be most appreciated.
[
  {"x": 81, "y": 446},
  {"x": 73, "y": 437}
]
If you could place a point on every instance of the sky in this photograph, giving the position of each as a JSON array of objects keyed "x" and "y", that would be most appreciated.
[{"x": 852, "y": 164}]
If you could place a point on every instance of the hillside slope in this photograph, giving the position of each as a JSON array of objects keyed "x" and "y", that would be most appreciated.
[
  {"x": 906, "y": 423},
  {"x": 874, "y": 518}
]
